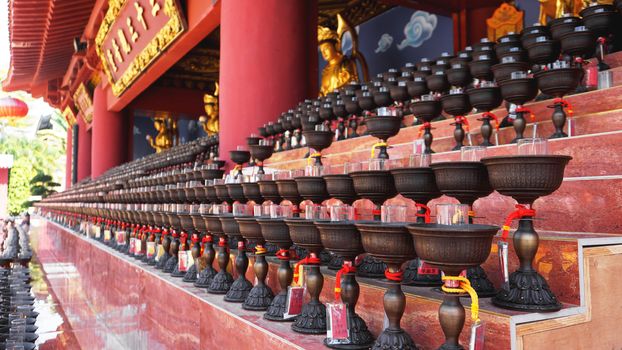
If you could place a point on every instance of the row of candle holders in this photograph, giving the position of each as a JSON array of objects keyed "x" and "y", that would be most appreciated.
[
  {"x": 247, "y": 213},
  {"x": 549, "y": 58},
  {"x": 17, "y": 311}
]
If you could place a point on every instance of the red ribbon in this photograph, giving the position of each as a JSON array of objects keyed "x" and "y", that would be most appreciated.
[
  {"x": 207, "y": 239},
  {"x": 175, "y": 234},
  {"x": 425, "y": 125},
  {"x": 394, "y": 276},
  {"x": 425, "y": 215},
  {"x": 184, "y": 237},
  {"x": 195, "y": 238},
  {"x": 522, "y": 109},
  {"x": 463, "y": 120},
  {"x": 345, "y": 269},
  {"x": 520, "y": 212},
  {"x": 311, "y": 259},
  {"x": 283, "y": 254},
  {"x": 564, "y": 104},
  {"x": 222, "y": 242},
  {"x": 493, "y": 117}
]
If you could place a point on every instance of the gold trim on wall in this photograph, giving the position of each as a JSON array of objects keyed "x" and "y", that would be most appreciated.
[
  {"x": 84, "y": 102},
  {"x": 165, "y": 37}
]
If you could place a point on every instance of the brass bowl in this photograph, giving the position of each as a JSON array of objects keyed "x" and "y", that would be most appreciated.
[
  {"x": 341, "y": 187},
  {"x": 214, "y": 226},
  {"x": 312, "y": 188},
  {"x": 375, "y": 185},
  {"x": 318, "y": 140},
  {"x": 251, "y": 191},
  {"x": 236, "y": 193},
  {"x": 453, "y": 248},
  {"x": 341, "y": 238},
  {"x": 250, "y": 229},
  {"x": 418, "y": 184},
  {"x": 222, "y": 193},
  {"x": 526, "y": 178},
  {"x": 305, "y": 234},
  {"x": 288, "y": 190},
  {"x": 383, "y": 127},
  {"x": 389, "y": 242},
  {"x": 230, "y": 226},
  {"x": 269, "y": 190},
  {"x": 465, "y": 181},
  {"x": 275, "y": 231}
]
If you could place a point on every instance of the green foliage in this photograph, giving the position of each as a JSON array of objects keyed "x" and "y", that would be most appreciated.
[
  {"x": 42, "y": 185},
  {"x": 31, "y": 157}
]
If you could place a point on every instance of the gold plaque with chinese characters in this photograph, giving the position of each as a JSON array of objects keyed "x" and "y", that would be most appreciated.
[
  {"x": 133, "y": 34},
  {"x": 84, "y": 102}
]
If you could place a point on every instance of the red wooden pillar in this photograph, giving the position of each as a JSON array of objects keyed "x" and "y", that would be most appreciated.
[
  {"x": 109, "y": 130},
  {"x": 68, "y": 154},
  {"x": 268, "y": 63},
  {"x": 84, "y": 149}
]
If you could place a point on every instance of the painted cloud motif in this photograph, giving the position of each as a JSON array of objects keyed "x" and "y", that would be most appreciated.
[
  {"x": 418, "y": 29},
  {"x": 385, "y": 42}
]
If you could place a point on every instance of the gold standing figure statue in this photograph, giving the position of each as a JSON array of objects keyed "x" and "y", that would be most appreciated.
[
  {"x": 340, "y": 69},
  {"x": 168, "y": 134},
  {"x": 210, "y": 123},
  {"x": 556, "y": 8}
]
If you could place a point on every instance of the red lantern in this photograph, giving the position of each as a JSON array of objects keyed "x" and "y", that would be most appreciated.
[{"x": 12, "y": 108}]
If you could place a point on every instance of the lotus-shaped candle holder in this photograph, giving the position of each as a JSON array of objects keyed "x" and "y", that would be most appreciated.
[
  {"x": 519, "y": 91},
  {"x": 391, "y": 243},
  {"x": 221, "y": 282},
  {"x": 426, "y": 111},
  {"x": 260, "y": 153},
  {"x": 485, "y": 99},
  {"x": 419, "y": 185},
  {"x": 452, "y": 248},
  {"x": 526, "y": 178},
  {"x": 558, "y": 82},
  {"x": 260, "y": 296},
  {"x": 275, "y": 231},
  {"x": 466, "y": 181},
  {"x": 239, "y": 289},
  {"x": 457, "y": 104},
  {"x": 312, "y": 318},
  {"x": 318, "y": 140}
]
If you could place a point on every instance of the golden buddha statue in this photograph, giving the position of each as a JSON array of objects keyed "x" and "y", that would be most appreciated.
[
  {"x": 210, "y": 123},
  {"x": 340, "y": 69},
  {"x": 556, "y": 8},
  {"x": 168, "y": 135}
]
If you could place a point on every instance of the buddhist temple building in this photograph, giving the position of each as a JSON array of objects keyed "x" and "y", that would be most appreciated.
[{"x": 308, "y": 174}]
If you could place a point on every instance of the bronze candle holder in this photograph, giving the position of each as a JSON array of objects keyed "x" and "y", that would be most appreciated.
[
  {"x": 383, "y": 128},
  {"x": 206, "y": 275},
  {"x": 452, "y": 248},
  {"x": 392, "y": 244},
  {"x": 557, "y": 83},
  {"x": 467, "y": 181},
  {"x": 195, "y": 250},
  {"x": 426, "y": 111},
  {"x": 221, "y": 282},
  {"x": 260, "y": 296},
  {"x": 241, "y": 286},
  {"x": 457, "y": 104},
  {"x": 184, "y": 244},
  {"x": 260, "y": 153},
  {"x": 418, "y": 185},
  {"x": 485, "y": 99},
  {"x": 519, "y": 91},
  {"x": 377, "y": 186},
  {"x": 312, "y": 319},
  {"x": 318, "y": 141},
  {"x": 277, "y": 232},
  {"x": 526, "y": 178},
  {"x": 175, "y": 224},
  {"x": 343, "y": 239}
]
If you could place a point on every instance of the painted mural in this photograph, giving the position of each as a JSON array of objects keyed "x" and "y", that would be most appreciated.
[{"x": 399, "y": 36}]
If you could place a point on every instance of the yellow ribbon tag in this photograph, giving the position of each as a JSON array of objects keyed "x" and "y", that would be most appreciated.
[
  {"x": 376, "y": 145},
  {"x": 465, "y": 286}
]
